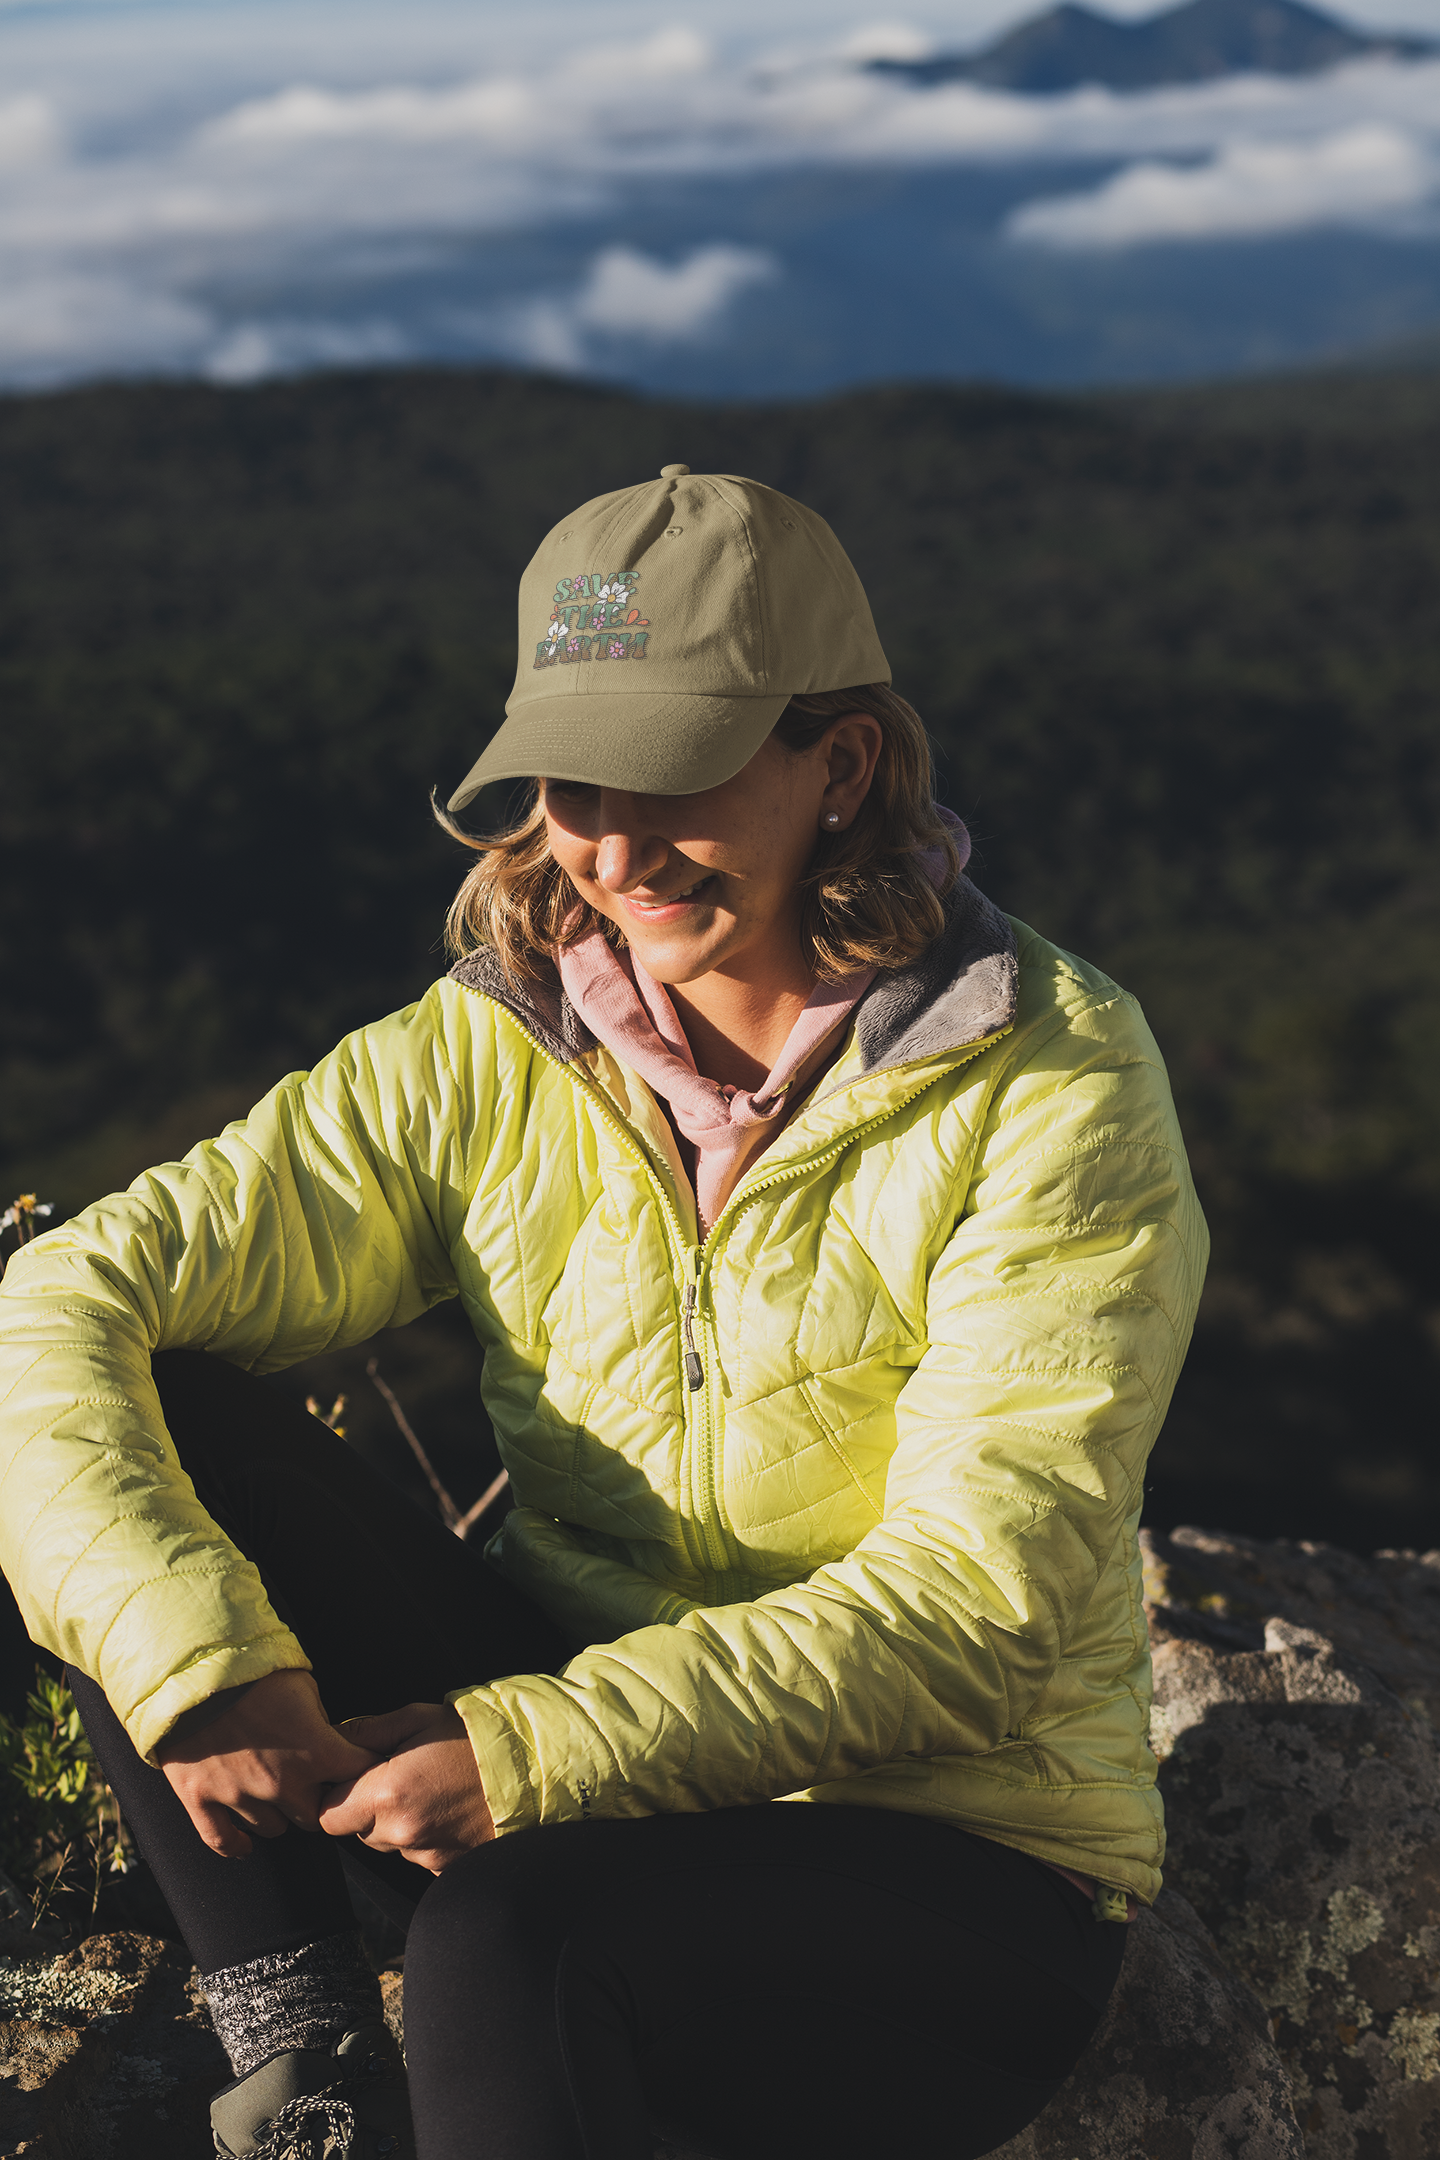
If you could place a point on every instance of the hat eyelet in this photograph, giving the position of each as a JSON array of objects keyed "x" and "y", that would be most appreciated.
[{"x": 673, "y": 532}]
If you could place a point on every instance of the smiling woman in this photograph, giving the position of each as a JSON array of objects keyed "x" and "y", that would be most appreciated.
[{"x": 834, "y": 1254}]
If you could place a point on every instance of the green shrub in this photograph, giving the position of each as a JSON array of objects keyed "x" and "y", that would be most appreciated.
[{"x": 60, "y": 1827}]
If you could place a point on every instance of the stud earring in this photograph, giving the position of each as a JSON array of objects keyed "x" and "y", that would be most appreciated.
[{"x": 832, "y": 819}]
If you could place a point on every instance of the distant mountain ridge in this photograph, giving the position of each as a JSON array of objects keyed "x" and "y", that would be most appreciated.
[{"x": 1071, "y": 45}]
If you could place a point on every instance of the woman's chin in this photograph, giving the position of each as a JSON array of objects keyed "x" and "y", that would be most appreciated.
[{"x": 678, "y": 953}]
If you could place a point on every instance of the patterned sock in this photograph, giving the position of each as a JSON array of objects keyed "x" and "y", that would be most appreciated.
[{"x": 292, "y": 1999}]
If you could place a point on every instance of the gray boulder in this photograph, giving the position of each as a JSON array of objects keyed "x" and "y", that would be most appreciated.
[
  {"x": 1384, "y": 1611},
  {"x": 1303, "y": 1807},
  {"x": 106, "y": 2052}
]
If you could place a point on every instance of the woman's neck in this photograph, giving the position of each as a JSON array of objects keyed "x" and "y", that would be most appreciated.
[{"x": 737, "y": 1026}]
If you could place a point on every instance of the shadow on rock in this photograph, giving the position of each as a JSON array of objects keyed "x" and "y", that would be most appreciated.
[
  {"x": 1302, "y": 1802},
  {"x": 106, "y": 2052}
]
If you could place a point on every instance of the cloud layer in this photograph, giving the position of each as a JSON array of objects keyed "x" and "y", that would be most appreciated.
[
  {"x": 238, "y": 216},
  {"x": 1360, "y": 176}
]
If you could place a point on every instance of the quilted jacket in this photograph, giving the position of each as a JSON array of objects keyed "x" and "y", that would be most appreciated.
[{"x": 838, "y": 1503}]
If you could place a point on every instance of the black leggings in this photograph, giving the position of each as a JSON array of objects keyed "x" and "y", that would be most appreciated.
[{"x": 798, "y": 1980}]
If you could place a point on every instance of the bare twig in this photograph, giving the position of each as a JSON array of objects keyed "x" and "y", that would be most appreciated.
[
  {"x": 42, "y": 1898},
  {"x": 450, "y": 1513},
  {"x": 473, "y": 1514}
]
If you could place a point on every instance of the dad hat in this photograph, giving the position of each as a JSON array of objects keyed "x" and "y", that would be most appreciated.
[{"x": 663, "y": 631}]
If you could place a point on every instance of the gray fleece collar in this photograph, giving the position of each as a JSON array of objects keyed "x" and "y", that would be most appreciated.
[{"x": 961, "y": 989}]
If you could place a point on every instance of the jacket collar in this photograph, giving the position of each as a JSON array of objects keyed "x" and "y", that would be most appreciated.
[{"x": 962, "y": 988}]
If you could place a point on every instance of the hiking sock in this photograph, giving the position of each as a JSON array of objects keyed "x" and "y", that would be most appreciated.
[{"x": 292, "y": 1999}]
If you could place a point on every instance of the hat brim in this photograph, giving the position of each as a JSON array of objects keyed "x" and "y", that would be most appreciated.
[{"x": 669, "y": 743}]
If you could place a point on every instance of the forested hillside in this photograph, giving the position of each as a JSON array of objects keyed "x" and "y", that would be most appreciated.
[{"x": 1181, "y": 654}]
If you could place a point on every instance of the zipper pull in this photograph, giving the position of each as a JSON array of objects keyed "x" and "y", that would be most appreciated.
[{"x": 694, "y": 1370}]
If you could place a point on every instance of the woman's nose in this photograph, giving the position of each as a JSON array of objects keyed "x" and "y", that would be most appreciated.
[{"x": 625, "y": 858}]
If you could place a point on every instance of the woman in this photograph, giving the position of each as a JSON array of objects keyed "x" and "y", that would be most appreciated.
[{"x": 832, "y": 1247}]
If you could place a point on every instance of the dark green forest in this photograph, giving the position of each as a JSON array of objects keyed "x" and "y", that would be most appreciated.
[{"x": 1180, "y": 654}]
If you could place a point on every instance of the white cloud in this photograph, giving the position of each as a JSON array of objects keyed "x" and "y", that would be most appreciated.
[
  {"x": 491, "y": 111},
  {"x": 55, "y": 326},
  {"x": 630, "y": 295},
  {"x": 1249, "y": 190},
  {"x": 887, "y": 41},
  {"x": 29, "y": 132},
  {"x": 191, "y": 156},
  {"x": 247, "y": 352},
  {"x": 627, "y": 295}
]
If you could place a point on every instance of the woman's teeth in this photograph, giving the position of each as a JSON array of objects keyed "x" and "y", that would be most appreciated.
[{"x": 647, "y": 906}]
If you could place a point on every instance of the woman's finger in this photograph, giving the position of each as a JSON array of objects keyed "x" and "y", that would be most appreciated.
[
  {"x": 349, "y": 1811},
  {"x": 390, "y": 1729},
  {"x": 343, "y": 1756},
  {"x": 434, "y": 1859},
  {"x": 337, "y": 1796},
  {"x": 266, "y": 1821},
  {"x": 219, "y": 1829}
]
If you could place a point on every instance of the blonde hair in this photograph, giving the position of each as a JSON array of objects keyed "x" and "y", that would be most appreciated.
[{"x": 869, "y": 897}]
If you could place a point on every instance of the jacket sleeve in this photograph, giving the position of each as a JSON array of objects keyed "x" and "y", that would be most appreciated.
[
  {"x": 325, "y": 1215},
  {"x": 1058, "y": 1317}
]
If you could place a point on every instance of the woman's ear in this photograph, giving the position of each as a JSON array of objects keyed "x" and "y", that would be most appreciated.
[{"x": 851, "y": 749}]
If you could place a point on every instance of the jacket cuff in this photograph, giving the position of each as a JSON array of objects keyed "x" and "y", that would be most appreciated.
[
  {"x": 150, "y": 1721},
  {"x": 502, "y": 1759}
]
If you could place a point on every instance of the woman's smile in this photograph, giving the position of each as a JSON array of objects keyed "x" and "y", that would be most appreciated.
[{"x": 670, "y": 907}]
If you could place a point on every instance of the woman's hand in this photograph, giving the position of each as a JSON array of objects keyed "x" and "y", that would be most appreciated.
[
  {"x": 267, "y": 1759},
  {"x": 426, "y": 1801}
]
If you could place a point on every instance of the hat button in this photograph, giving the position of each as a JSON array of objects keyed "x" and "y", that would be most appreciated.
[{"x": 673, "y": 472}]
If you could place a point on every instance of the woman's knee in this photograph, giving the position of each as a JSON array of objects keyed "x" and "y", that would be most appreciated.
[{"x": 491, "y": 1912}]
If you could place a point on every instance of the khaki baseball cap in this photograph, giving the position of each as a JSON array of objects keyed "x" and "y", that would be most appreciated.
[{"x": 663, "y": 631}]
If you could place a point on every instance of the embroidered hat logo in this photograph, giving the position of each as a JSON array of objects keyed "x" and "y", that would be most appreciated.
[{"x": 594, "y": 618}]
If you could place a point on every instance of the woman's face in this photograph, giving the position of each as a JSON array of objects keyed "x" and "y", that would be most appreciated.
[{"x": 707, "y": 882}]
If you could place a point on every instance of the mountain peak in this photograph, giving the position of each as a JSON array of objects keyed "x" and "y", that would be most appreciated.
[{"x": 1071, "y": 44}]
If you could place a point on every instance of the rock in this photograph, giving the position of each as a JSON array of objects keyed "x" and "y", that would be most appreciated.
[
  {"x": 392, "y": 1995},
  {"x": 106, "y": 2053},
  {"x": 1183, "y": 2066},
  {"x": 1384, "y": 1611},
  {"x": 1303, "y": 1809}
]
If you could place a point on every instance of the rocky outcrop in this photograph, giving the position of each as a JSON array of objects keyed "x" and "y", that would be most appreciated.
[
  {"x": 1383, "y": 1612},
  {"x": 106, "y": 2053},
  {"x": 1282, "y": 1999},
  {"x": 1301, "y": 1775}
]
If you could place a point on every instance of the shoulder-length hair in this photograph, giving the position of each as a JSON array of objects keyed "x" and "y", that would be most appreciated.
[{"x": 870, "y": 897}]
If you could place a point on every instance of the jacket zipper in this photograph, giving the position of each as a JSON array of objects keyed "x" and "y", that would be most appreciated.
[
  {"x": 694, "y": 1370},
  {"x": 705, "y": 1485},
  {"x": 707, "y": 1511}
]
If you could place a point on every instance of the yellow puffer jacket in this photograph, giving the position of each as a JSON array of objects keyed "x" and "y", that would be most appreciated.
[{"x": 843, "y": 1498}]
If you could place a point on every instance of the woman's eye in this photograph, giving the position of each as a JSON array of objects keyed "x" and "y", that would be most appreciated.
[{"x": 569, "y": 791}]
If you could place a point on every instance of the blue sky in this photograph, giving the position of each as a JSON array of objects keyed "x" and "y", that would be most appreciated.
[{"x": 681, "y": 197}]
